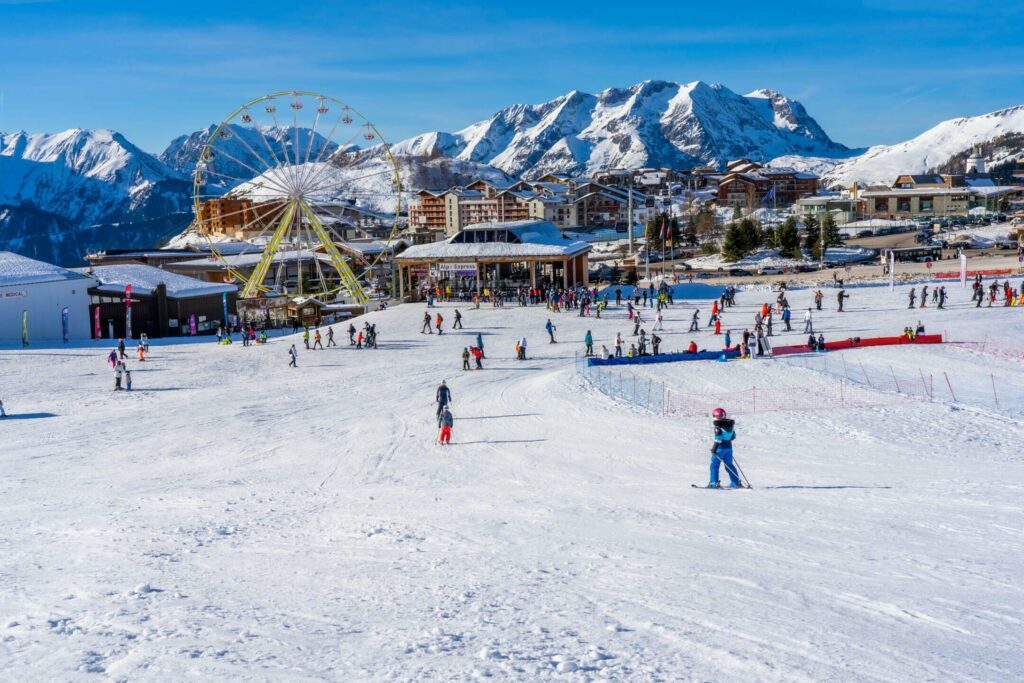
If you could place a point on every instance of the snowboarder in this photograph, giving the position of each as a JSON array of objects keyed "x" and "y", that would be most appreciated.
[
  {"x": 445, "y": 422},
  {"x": 551, "y": 330},
  {"x": 443, "y": 396},
  {"x": 294, "y": 354},
  {"x": 588, "y": 340},
  {"x": 721, "y": 451}
]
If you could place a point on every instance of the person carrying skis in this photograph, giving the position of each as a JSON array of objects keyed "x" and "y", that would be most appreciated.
[
  {"x": 588, "y": 341},
  {"x": 445, "y": 422},
  {"x": 294, "y": 357},
  {"x": 551, "y": 330},
  {"x": 443, "y": 396},
  {"x": 721, "y": 450}
]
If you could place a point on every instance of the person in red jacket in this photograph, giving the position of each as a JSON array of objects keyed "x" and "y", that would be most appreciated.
[{"x": 477, "y": 356}]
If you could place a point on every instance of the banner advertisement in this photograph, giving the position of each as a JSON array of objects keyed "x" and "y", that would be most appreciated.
[
  {"x": 64, "y": 323},
  {"x": 128, "y": 311}
]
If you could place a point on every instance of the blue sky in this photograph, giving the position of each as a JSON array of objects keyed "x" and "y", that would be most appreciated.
[{"x": 870, "y": 72}]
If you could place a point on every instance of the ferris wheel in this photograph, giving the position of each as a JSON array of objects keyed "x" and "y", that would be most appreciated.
[{"x": 282, "y": 181}]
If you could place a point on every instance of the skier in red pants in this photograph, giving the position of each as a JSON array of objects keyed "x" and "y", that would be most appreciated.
[{"x": 445, "y": 421}]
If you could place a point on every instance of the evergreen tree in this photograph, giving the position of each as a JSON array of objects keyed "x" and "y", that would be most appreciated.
[
  {"x": 690, "y": 233},
  {"x": 750, "y": 233},
  {"x": 734, "y": 247},
  {"x": 737, "y": 213},
  {"x": 787, "y": 239},
  {"x": 830, "y": 232},
  {"x": 811, "y": 240},
  {"x": 653, "y": 232}
]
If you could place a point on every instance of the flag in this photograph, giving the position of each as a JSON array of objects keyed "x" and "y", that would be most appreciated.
[
  {"x": 128, "y": 311},
  {"x": 192, "y": 327},
  {"x": 24, "y": 327},
  {"x": 963, "y": 270},
  {"x": 892, "y": 271},
  {"x": 96, "y": 333},
  {"x": 224, "y": 305},
  {"x": 769, "y": 196},
  {"x": 64, "y": 323}
]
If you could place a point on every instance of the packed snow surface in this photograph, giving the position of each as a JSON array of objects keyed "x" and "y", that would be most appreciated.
[{"x": 233, "y": 518}]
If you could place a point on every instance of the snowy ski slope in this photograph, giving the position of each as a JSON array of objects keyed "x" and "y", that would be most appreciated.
[{"x": 236, "y": 519}]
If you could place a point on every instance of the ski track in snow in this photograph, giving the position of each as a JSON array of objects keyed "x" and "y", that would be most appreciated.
[{"x": 236, "y": 518}]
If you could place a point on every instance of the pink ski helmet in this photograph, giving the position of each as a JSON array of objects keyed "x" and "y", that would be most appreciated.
[{"x": 718, "y": 413}]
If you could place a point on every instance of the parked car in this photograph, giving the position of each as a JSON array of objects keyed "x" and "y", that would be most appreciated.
[
  {"x": 941, "y": 244},
  {"x": 770, "y": 270},
  {"x": 1005, "y": 243},
  {"x": 958, "y": 244},
  {"x": 739, "y": 272},
  {"x": 866, "y": 233}
]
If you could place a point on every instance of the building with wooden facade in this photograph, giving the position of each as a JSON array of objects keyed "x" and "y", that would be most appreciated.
[{"x": 494, "y": 256}]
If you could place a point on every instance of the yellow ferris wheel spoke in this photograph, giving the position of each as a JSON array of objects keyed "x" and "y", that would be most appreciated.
[
  {"x": 348, "y": 278},
  {"x": 255, "y": 283}
]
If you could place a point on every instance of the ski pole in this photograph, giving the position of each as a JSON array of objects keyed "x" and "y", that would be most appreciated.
[{"x": 736, "y": 464}]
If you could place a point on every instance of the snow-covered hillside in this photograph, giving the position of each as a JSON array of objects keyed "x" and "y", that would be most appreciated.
[
  {"x": 926, "y": 152},
  {"x": 654, "y": 123},
  {"x": 233, "y": 518},
  {"x": 79, "y": 184}
]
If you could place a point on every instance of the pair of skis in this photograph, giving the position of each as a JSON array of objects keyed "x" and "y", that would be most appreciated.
[{"x": 721, "y": 488}]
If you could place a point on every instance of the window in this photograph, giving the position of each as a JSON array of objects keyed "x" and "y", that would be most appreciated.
[
  {"x": 927, "y": 204},
  {"x": 881, "y": 204},
  {"x": 903, "y": 205}
]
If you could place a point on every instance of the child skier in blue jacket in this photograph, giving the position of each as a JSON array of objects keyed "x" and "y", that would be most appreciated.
[{"x": 721, "y": 451}]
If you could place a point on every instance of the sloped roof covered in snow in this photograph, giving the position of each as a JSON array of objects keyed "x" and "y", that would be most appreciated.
[
  {"x": 144, "y": 279},
  {"x": 16, "y": 269},
  {"x": 537, "y": 239}
]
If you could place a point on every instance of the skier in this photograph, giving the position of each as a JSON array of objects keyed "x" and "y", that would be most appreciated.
[
  {"x": 443, "y": 396},
  {"x": 120, "y": 349},
  {"x": 445, "y": 422},
  {"x": 728, "y": 339},
  {"x": 438, "y": 322},
  {"x": 330, "y": 337},
  {"x": 695, "y": 320},
  {"x": 655, "y": 343},
  {"x": 912, "y": 297},
  {"x": 840, "y": 297},
  {"x": 588, "y": 340},
  {"x": 924, "y": 295},
  {"x": 128, "y": 379},
  {"x": 458, "y": 320},
  {"x": 942, "y": 297},
  {"x": 818, "y": 296},
  {"x": 551, "y": 330},
  {"x": 112, "y": 359},
  {"x": 478, "y": 355},
  {"x": 118, "y": 371},
  {"x": 465, "y": 358},
  {"x": 786, "y": 315},
  {"x": 808, "y": 323},
  {"x": 426, "y": 324},
  {"x": 721, "y": 451},
  {"x": 480, "y": 344},
  {"x": 658, "y": 320},
  {"x": 317, "y": 340}
]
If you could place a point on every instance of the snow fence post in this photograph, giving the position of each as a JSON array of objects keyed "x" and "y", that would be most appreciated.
[
  {"x": 994, "y": 397},
  {"x": 895, "y": 380},
  {"x": 950, "y": 385},
  {"x": 649, "y": 382},
  {"x": 753, "y": 399},
  {"x": 866, "y": 377},
  {"x": 634, "y": 389},
  {"x": 924, "y": 384}
]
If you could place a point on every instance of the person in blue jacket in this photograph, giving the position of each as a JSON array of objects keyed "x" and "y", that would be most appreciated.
[{"x": 721, "y": 451}]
